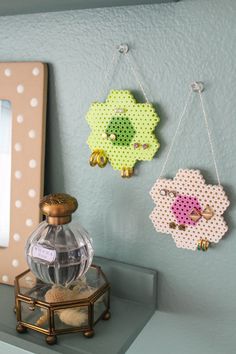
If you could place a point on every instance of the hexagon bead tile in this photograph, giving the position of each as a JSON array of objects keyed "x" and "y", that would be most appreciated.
[
  {"x": 189, "y": 209},
  {"x": 123, "y": 129}
]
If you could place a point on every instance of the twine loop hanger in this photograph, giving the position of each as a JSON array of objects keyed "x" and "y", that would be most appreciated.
[
  {"x": 123, "y": 50},
  {"x": 196, "y": 87}
]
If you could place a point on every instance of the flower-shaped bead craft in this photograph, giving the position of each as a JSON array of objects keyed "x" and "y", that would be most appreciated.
[
  {"x": 189, "y": 209},
  {"x": 122, "y": 132}
]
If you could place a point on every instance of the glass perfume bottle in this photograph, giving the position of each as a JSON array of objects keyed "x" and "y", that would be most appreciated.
[{"x": 59, "y": 252}]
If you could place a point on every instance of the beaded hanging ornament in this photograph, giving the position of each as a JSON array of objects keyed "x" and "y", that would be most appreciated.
[
  {"x": 122, "y": 130},
  {"x": 186, "y": 207}
]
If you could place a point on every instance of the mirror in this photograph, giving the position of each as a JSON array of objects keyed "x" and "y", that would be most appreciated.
[
  {"x": 5, "y": 168},
  {"x": 23, "y": 93}
]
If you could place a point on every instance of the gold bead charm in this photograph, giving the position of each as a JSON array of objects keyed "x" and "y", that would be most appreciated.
[
  {"x": 127, "y": 172},
  {"x": 98, "y": 157},
  {"x": 136, "y": 145},
  {"x": 120, "y": 110},
  {"x": 172, "y": 225},
  {"x": 102, "y": 160},
  {"x": 93, "y": 158},
  {"x": 182, "y": 227},
  {"x": 203, "y": 245}
]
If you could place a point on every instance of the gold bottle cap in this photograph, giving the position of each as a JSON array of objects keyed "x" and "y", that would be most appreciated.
[{"x": 58, "y": 208}]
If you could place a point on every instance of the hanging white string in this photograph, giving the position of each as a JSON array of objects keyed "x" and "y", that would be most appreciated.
[
  {"x": 113, "y": 64},
  {"x": 122, "y": 50},
  {"x": 197, "y": 87},
  {"x": 209, "y": 136},
  {"x": 175, "y": 135},
  {"x": 136, "y": 77}
]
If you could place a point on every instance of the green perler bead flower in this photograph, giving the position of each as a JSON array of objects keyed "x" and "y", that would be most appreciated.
[{"x": 122, "y": 132}]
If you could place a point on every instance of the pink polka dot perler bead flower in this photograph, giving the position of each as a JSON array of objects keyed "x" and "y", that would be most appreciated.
[{"x": 189, "y": 209}]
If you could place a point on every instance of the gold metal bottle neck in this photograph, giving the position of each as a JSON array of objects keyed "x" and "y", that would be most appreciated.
[{"x": 58, "y": 220}]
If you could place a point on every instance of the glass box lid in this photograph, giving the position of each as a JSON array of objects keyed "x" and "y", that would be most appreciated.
[{"x": 85, "y": 288}]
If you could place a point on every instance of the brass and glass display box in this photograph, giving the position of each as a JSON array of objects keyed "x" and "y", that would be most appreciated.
[{"x": 55, "y": 309}]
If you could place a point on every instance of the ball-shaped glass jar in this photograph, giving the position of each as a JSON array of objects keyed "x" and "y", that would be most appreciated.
[{"x": 59, "y": 252}]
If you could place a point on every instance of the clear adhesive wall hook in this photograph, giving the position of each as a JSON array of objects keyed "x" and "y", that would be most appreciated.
[
  {"x": 197, "y": 86},
  {"x": 123, "y": 48}
]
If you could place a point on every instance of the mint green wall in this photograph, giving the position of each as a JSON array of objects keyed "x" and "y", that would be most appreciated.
[{"x": 173, "y": 44}]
